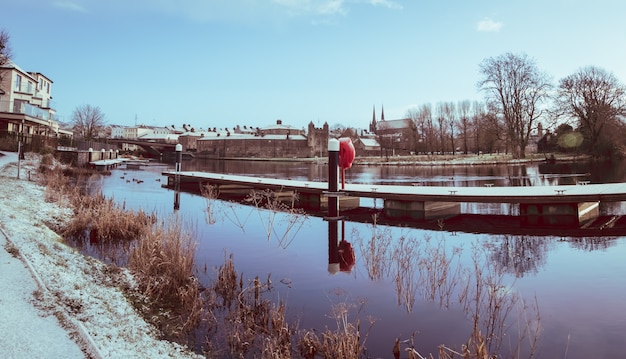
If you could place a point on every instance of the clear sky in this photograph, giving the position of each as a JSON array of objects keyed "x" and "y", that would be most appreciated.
[{"x": 215, "y": 63}]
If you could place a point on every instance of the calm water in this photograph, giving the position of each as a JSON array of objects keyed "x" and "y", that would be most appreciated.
[{"x": 397, "y": 282}]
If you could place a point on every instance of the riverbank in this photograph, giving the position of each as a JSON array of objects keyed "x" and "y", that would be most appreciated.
[
  {"x": 57, "y": 302},
  {"x": 425, "y": 160}
]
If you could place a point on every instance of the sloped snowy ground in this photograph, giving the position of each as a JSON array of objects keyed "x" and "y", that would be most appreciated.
[{"x": 57, "y": 302}]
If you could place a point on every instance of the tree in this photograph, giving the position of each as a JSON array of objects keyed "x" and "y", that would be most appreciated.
[
  {"x": 88, "y": 121},
  {"x": 478, "y": 119},
  {"x": 595, "y": 98},
  {"x": 515, "y": 88},
  {"x": 450, "y": 118},
  {"x": 5, "y": 53},
  {"x": 463, "y": 108},
  {"x": 441, "y": 123}
]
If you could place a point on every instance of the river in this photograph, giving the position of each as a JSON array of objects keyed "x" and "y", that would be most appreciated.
[{"x": 413, "y": 284}]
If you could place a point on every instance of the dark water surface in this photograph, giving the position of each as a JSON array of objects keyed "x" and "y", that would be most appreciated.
[{"x": 411, "y": 283}]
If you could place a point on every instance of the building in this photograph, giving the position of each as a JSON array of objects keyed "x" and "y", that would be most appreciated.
[
  {"x": 276, "y": 140},
  {"x": 26, "y": 108},
  {"x": 395, "y": 137}
]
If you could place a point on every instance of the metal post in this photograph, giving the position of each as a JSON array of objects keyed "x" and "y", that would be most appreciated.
[
  {"x": 333, "y": 176},
  {"x": 333, "y": 247},
  {"x": 19, "y": 158},
  {"x": 333, "y": 206},
  {"x": 20, "y": 149},
  {"x": 179, "y": 160}
]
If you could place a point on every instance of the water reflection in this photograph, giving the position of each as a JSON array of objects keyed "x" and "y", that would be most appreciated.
[
  {"x": 546, "y": 269},
  {"x": 520, "y": 255}
]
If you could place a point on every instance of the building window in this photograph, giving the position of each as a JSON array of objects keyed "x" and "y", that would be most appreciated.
[
  {"x": 48, "y": 87},
  {"x": 18, "y": 82}
]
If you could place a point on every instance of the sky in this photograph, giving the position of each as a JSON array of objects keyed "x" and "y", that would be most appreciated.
[{"x": 214, "y": 63}]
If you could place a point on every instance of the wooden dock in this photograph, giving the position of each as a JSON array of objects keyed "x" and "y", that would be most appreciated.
[{"x": 540, "y": 205}]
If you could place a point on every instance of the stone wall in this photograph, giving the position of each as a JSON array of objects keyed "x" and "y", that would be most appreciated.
[{"x": 254, "y": 148}]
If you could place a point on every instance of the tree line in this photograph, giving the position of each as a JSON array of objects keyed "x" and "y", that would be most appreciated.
[{"x": 585, "y": 111}]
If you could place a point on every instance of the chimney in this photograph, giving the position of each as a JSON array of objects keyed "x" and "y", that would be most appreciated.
[{"x": 279, "y": 122}]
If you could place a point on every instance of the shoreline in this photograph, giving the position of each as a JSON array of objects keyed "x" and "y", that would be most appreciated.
[
  {"x": 418, "y": 160},
  {"x": 82, "y": 297}
]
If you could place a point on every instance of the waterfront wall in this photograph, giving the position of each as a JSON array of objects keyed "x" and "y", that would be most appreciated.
[{"x": 255, "y": 147}]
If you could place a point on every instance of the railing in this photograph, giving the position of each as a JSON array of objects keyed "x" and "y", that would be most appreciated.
[
  {"x": 37, "y": 143},
  {"x": 27, "y": 109}
]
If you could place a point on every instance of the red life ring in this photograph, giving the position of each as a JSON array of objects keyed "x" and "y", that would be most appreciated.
[{"x": 346, "y": 152}]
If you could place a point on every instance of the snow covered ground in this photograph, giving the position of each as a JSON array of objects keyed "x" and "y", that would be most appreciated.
[{"x": 56, "y": 302}]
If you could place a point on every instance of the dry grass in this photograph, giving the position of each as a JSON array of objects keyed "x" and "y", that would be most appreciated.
[
  {"x": 250, "y": 325},
  {"x": 210, "y": 194},
  {"x": 375, "y": 251},
  {"x": 345, "y": 341},
  {"x": 437, "y": 273},
  {"x": 278, "y": 214},
  {"x": 163, "y": 264}
]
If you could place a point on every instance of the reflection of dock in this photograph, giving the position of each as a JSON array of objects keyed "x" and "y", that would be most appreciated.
[
  {"x": 564, "y": 205},
  {"x": 602, "y": 226}
]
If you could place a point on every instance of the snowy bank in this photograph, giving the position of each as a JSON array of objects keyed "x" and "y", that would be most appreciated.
[{"x": 60, "y": 303}]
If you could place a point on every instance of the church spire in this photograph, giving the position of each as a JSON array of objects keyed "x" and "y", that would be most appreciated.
[
  {"x": 373, "y": 123},
  {"x": 382, "y": 113}
]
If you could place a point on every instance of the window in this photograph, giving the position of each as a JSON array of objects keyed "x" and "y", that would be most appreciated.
[
  {"x": 48, "y": 87},
  {"x": 18, "y": 82}
]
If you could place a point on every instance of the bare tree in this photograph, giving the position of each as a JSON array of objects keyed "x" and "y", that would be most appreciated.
[
  {"x": 595, "y": 98},
  {"x": 477, "y": 124},
  {"x": 414, "y": 114},
  {"x": 88, "y": 121},
  {"x": 450, "y": 119},
  {"x": 515, "y": 88},
  {"x": 463, "y": 109},
  {"x": 5, "y": 53},
  {"x": 441, "y": 122}
]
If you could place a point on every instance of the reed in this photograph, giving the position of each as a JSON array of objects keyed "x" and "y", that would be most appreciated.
[
  {"x": 375, "y": 250},
  {"x": 210, "y": 194},
  {"x": 163, "y": 264},
  {"x": 342, "y": 342},
  {"x": 278, "y": 214},
  {"x": 101, "y": 219},
  {"x": 250, "y": 325}
]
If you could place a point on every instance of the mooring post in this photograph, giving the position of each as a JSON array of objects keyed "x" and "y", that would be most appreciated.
[
  {"x": 333, "y": 177},
  {"x": 333, "y": 206},
  {"x": 179, "y": 160},
  {"x": 333, "y": 247}
]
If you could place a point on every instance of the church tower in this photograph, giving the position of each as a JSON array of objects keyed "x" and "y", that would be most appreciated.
[{"x": 373, "y": 123}]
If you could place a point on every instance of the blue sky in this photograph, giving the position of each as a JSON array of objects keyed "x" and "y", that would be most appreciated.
[{"x": 221, "y": 63}]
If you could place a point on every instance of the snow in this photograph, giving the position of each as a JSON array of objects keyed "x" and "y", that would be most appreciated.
[
  {"x": 55, "y": 301},
  {"x": 491, "y": 194}
]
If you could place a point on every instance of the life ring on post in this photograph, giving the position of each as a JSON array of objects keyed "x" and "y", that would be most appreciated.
[{"x": 346, "y": 156}]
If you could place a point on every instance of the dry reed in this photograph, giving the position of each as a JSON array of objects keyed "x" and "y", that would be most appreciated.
[
  {"x": 163, "y": 263},
  {"x": 343, "y": 342},
  {"x": 278, "y": 214}
]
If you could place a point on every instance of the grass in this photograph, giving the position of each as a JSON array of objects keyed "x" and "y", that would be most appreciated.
[{"x": 163, "y": 264}]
